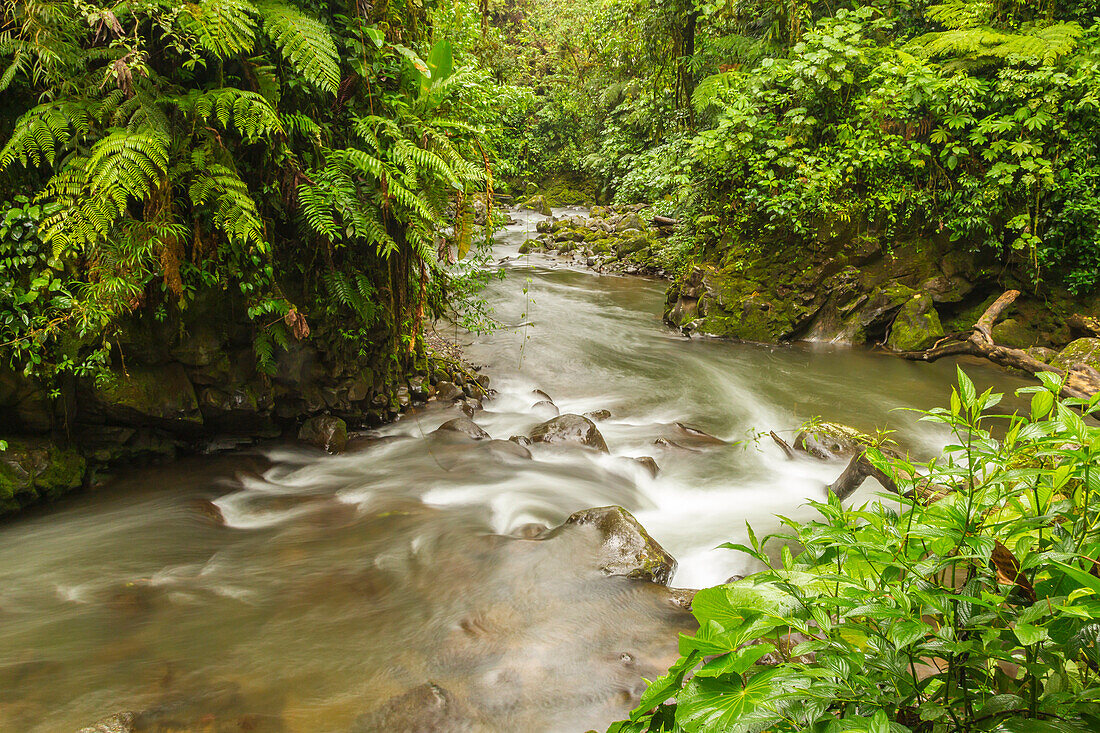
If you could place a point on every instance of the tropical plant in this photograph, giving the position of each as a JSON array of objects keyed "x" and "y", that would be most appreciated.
[{"x": 969, "y": 601}]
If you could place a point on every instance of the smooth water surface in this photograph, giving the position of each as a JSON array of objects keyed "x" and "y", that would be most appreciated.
[{"x": 286, "y": 590}]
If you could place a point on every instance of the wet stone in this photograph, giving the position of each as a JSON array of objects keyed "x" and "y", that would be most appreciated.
[
  {"x": 448, "y": 392},
  {"x": 326, "y": 432},
  {"x": 118, "y": 723},
  {"x": 464, "y": 426},
  {"x": 598, "y": 415},
  {"x": 627, "y": 549},
  {"x": 425, "y": 709},
  {"x": 569, "y": 429},
  {"x": 649, "y": 464}
]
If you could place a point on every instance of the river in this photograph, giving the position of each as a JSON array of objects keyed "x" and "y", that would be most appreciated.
[{"x": 282, "y": 589}]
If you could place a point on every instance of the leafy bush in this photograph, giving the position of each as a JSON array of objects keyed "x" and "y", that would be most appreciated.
[{"x": 969, "y": 602}]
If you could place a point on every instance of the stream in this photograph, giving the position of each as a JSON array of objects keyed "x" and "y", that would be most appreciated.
[{"x": 281, "y": 589}]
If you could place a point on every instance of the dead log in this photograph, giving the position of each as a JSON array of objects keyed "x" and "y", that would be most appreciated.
[
  {"x": 979, "y": 342},
  {"x": 663, "y": 221},
  {"x": 783, "y": 445},
  {"x": 1084, "y": 324},
  {"x": 859, "y": 470}
]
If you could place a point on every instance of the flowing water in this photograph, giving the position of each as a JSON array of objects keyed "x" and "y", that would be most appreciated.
[{"x": 286, "y": 590}]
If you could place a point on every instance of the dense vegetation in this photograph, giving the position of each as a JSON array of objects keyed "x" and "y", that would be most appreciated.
[
  {"x": 761, "y": 121},
  {"x": 303, "y": 159},
  {"x": 971, "y": 601}
]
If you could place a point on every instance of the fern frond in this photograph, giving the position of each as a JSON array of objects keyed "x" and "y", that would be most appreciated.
[
  {"x": 304, "y": 42},
  {"x": 225, "y": 28},
  {"x": 42, "y": 131},
  {"x": 249, "y": 112},
  {"x": 233, "y": 208}
]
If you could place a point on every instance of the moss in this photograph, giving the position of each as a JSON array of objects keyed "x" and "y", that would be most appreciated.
[
  {"x": 917, "y": 325},
  {"x": 162, "y": 393},
  {"x": 1082, "y": 351},
  {"x": 34, "y": 471}
]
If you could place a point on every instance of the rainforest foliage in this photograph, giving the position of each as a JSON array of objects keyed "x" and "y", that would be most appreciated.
[
  {"x": 318, "y": 162},
  {"x": 969, "y": 602},
  {"x": 757, "y": 120}
]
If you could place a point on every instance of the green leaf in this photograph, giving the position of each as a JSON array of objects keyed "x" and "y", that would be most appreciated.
[
  {"x": 377, "y": 36},
  {"x": 710, "y": 705}
]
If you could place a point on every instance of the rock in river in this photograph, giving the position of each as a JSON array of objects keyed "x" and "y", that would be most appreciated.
[
  {"x": 627, "y": 548},
  {"x": 118, "y": 723},
  {"x": 425, "y": 709},
  {"x": 326, "y": 432},
  {"x": 465, "y": 426},
  {"x": 573, "y": 429}
]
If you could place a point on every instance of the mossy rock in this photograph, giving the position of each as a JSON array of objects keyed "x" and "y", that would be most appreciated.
[
  {"x": 1084, "y": 351},
  {"x": 34, "y": 471},
  {"x": 1013, "y": 334},
  {"x": 161, "y": 394},
  {"x": 917, "y": 325},
  {"x": 537, "y": 204}
]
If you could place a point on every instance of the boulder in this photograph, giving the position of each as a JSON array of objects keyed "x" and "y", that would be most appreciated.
[
  {"x": 649, "y": 464},
  {"x": 1013, "y": 334},
  {"x": 626, "y": 549},
  {"x": 31, "y": 471},
  {"x": 117, "y": 723},
  {"x": 830, "y": 440},
  {"x": 464, "y": 426},
  {"x": 160, "y": 395},
  {"x": 537, "y": 204},
  {"x": 1082, "y": 352},
  {"x": 917, "y": 325},
  {"x": 448, "y": 392},
  {"x": 565, "y": 429},
  {"x": 598, "y": 415},
  {"x": 425, "y": 709},
  {"x": 326, "y": 432}
]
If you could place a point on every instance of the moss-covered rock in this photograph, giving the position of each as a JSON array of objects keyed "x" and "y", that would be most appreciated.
[
  {"x": 33, "y": 471},
  {"x": 151, "y": 394},
  {"x": 537, "y": 204},
  {"x": 326, "y": 432},
  {"x": 917, "y": 325},
  {"x": 1084, "y": 352},
  {"x": 1013, "y": 334}
]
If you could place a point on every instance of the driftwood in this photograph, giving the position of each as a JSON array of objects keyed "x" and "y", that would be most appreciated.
[{"x": 1079, "y": 381}]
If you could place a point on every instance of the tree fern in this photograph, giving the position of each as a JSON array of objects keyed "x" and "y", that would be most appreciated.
[
  {"x": 971, "y": 34},
  {"x": 305, "y": 43}
]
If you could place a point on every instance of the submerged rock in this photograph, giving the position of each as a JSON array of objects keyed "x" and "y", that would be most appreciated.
[
  {"x": 627, "y": 549},
  {"x": 573, "y": 429},
  {"x": 425, "y": 709},
  {"x": 326, "y": 432},
  {"x": 118, "y": 723},
  {"x": 598, "y": 415},
  {"x": 464, "y": 426}
]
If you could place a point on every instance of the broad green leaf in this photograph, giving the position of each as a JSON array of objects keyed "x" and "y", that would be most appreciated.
[{"x": 710, "y": 705}]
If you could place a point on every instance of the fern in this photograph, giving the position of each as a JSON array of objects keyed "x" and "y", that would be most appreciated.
[
  {"x": 225, "y": 28},
  {"x": 305, "y": 43},
  {"x": 970, "y": 35},
  {"x": 42, "y": 131},
  {"x": 232, "y": 206},
  {"x": 249, "y": 112}
]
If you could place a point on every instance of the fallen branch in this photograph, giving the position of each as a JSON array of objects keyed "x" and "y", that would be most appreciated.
[
  {"x": 1077, "y": 381},
  {"x": 664, "y": 221},
  {"x": 859, "y": 470}
]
